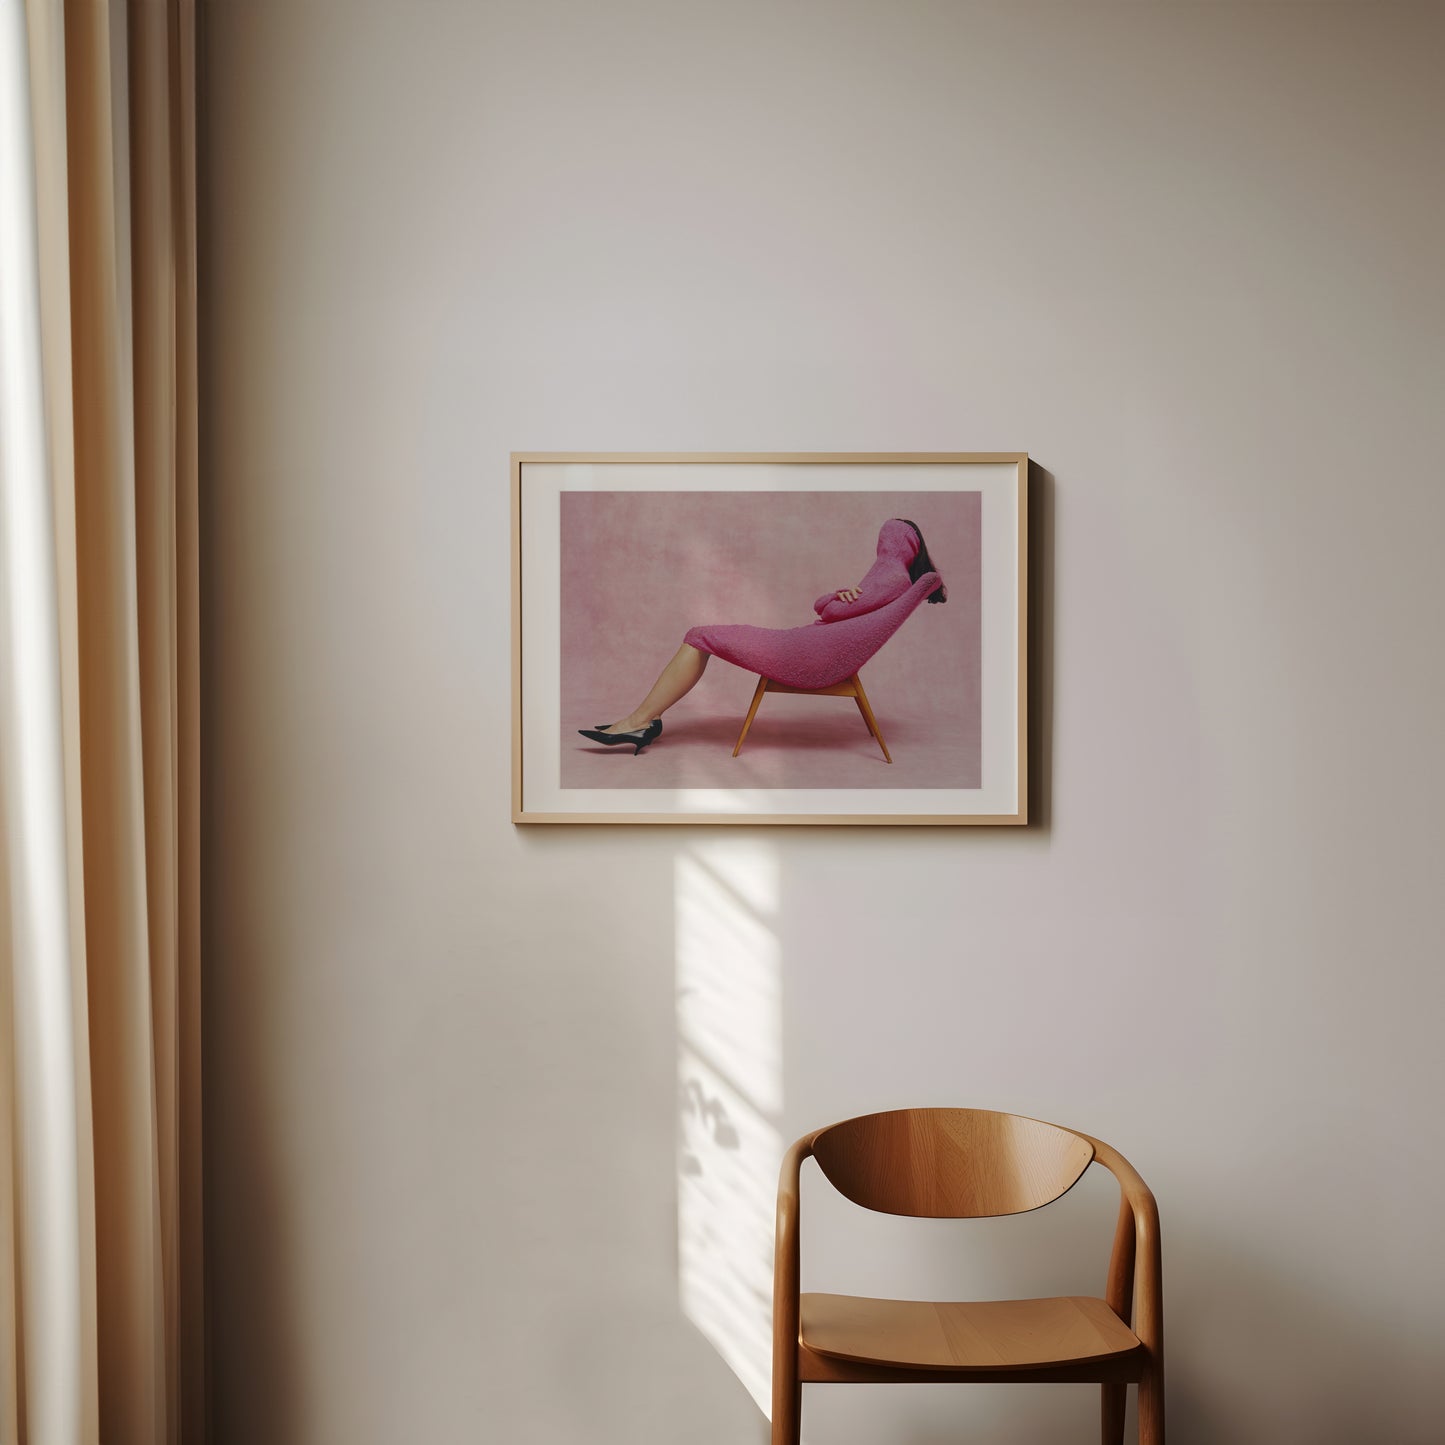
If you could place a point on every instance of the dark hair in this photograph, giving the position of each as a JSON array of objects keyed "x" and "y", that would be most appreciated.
[{"x": 922, "y": 564}]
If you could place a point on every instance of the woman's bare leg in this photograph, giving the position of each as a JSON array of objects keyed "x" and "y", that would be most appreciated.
[{"x": 675, "y": 681}]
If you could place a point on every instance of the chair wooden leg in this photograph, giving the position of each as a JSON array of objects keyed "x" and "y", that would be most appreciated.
[
  {"x": 863, "y": 714},
  {"x": 1151, "y": 1407},
  {"x": 752, "y": 713},
  {"x": 787, "y": 1415},
  {"x": 1112, "y": 1415},
  {"x": 861, "y": 698}
]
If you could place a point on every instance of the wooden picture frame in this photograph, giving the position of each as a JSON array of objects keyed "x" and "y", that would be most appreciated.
[{"x": 566, "y": 504}]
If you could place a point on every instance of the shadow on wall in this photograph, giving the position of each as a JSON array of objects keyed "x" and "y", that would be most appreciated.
[
  {"x": 254, "y": 1334},
  {"x": 1041, "y": 646}
]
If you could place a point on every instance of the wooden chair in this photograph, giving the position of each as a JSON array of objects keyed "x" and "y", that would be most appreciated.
[
  {"x": 849, "y": 687},
  {"x": 969, "y": 1164}
]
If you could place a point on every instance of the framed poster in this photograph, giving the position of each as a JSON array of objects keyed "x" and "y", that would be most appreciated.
[{"x": 769, "y": 638}]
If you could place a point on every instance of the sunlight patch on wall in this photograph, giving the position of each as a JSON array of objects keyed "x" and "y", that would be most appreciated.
[{"x": 730, "y": 1095}]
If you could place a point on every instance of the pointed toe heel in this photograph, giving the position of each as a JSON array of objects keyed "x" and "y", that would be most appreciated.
[{"x": 639, "y": 738}]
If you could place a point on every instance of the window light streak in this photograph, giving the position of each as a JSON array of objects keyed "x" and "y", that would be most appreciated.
[{"x": 730, "y": 1095}]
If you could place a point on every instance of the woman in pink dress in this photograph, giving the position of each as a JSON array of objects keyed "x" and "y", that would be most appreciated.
[{"x": 852, "y": 624}]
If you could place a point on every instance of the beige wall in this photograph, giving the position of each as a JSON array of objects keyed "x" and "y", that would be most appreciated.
[{"x": 1187, "y": 256}]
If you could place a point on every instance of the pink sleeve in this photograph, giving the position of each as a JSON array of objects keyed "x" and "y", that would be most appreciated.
[
  {"x": 837, "y": 611},
  {"x": 886, "y": 581}
]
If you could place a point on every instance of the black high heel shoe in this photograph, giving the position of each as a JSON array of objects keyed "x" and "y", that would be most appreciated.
[
  {"x": 639, "y": 738},
  {"x": 656, "y": 722}
]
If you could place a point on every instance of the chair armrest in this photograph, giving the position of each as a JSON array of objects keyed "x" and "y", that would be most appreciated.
[
  {"x": 1137, "y": 1256},
  {"x": 786, "y": 1254}
]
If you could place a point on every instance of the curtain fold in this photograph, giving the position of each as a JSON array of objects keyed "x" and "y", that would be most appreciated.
[
  {"x": 47, "y": 1385},
  {"x": 102, "y": 1276}
]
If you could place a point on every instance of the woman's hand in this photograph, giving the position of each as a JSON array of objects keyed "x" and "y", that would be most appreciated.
[{"x": 849, "y": 594}]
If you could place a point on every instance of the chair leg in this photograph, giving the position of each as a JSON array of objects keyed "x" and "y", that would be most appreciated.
[
  {"x": 1151, "y": 1407},
  {"x": 861, "y": 712},
  {"x": 788, "y": 1415},
  {"x": 861, "y": 698},
  {"x": 752, "y": 713},
  {"x": 1112, "y": 1415}
]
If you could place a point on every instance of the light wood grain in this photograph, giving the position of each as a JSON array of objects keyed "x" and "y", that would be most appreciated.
[
  {"x": 961, "y": 1336},
  {"x": 861, "y": 698},
  {"x": 780, "y": 820},
  {"x": 850, "y": 687},
  {"x": 969, "y": 1163},
  {"x": 787, "y": 1412},
  {"x": 846, "y": 688},
  {"x": 1018, "y": 818},
  {"x": 758, "y": 692},
  {"x": 516, "y": 638},
  {"x": 951, "y": 1163},
  {"x": 1143, "y": 1260},
  {"x": 792, "y": 459},
  {"x": 818, "y": 1369},
  {"x": 1120, "y": 1297}
]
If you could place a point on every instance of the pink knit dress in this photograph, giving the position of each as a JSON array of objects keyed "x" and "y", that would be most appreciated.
[{"x": 845, "y": 635}]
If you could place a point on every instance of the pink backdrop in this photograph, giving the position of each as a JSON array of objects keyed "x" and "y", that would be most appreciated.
[{"x": 640, "y": 568}]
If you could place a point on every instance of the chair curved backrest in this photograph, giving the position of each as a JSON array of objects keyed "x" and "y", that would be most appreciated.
[
  {"x": 951, "y": 1163},
  {"x": 856, "y": 640}
]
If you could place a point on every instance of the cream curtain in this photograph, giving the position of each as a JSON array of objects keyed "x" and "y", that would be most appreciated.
[{"x": 102, "y": 1334}]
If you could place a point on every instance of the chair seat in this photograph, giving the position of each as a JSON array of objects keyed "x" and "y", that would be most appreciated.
[{"x": 987, "y": 1336}]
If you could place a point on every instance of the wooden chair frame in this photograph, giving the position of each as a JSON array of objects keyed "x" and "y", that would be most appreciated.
[
  {"x": 1134, "y": 1293},
  {"x": 849, "y": 687}
]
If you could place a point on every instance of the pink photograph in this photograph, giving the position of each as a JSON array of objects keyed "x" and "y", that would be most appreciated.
[
  {"x": 856, "y": 612},
  {"x": 790, "y": 638}
]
